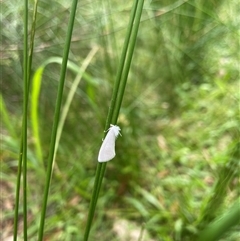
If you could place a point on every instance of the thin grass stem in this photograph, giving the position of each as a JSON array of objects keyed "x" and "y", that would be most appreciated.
[
  {"x": 128, "y": 60},
  {"x": 56, "y": 118},
  {"x": 17, "y": 192},
  {"x": 23, "y": 145},
  {"x": 101, "y": 167},
  {"x": 24, "y": 127}
]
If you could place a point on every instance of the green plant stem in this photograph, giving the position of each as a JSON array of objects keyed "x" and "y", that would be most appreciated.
[
  {"x": 56, "y": 118},
  {"x": 24, "y": 127},
  {"x": 125, "y": 61},
  {"x": 121, "y": 66},
  {"x": 17, "y": 194},
  {"x": 116, "y": 98},
  {"x": 128, "y": 60},
  {"x": 33, "y": 30},
  {"x": 92, "y": 203},
  {"x": 22, "y": 160}
]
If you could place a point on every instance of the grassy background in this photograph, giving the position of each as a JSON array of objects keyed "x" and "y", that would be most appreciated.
[{"x": 179, "y": 118}]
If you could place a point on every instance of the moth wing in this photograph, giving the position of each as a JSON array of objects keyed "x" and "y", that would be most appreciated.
[{"x": 107, "y": 150}]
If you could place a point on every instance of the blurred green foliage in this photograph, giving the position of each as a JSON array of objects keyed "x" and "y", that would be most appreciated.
[{"x": 179, "y": 118}]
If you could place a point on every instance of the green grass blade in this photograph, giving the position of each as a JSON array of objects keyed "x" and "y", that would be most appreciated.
[
  {"x": 117, "y": 97},
  {"x": 56, "y": 117},
  {"x": 17, "y": 193},
  {"x": 121, "y": 66},
  {"x": 131, "y": 44},
  {"x": 215, "y": 230},
  {"x": 36, "y": 86},
  {"x": 226, "y": 174},
  {"x": 123, "y": 71},
  {"x": 24, "y": 127},
  {"x": 93, "y": 202},
  {"x": 70, "y": 96},
  {"x": 6, "y": 118},
  {"x": 23, "y": 145},
  {"x": 33, "y": 30}
]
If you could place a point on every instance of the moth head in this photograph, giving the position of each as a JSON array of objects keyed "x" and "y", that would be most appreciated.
[{"x": 116, "y": 129}]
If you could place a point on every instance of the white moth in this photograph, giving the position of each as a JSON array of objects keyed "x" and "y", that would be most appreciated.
[{"x": 107, "y": 150}]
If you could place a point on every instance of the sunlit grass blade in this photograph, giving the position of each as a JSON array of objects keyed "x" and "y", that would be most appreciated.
[
  {"x": 71, "y": 95},
  {"x": 56, "y": 117},
  {"x": 36, "y": 88}
]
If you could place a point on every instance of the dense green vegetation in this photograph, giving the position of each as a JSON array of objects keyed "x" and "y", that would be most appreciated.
[{"x": 176, "y": 170}]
